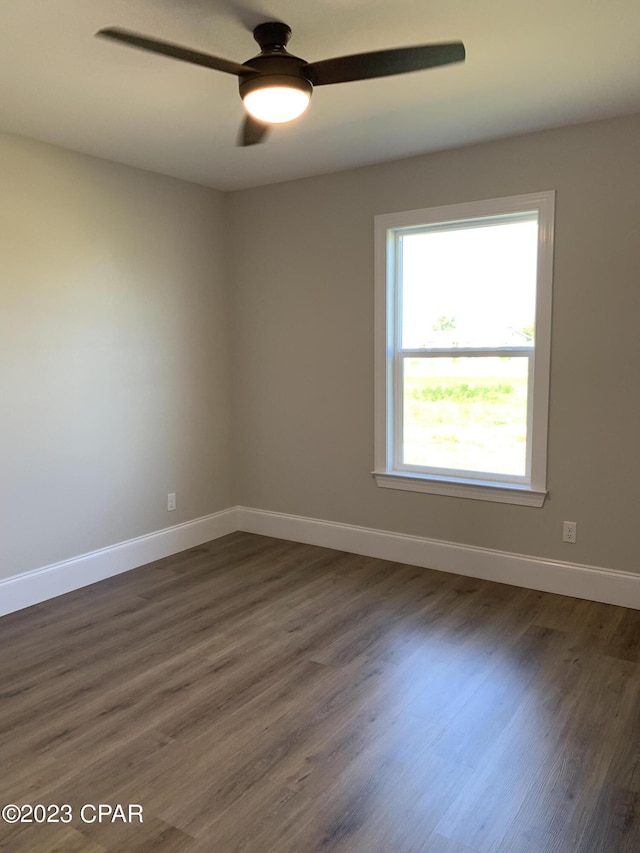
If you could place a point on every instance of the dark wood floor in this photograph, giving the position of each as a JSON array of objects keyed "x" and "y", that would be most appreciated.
[{"x": 258, "y": 695}]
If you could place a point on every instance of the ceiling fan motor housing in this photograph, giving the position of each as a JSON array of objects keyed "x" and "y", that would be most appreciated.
[{"x": 275, "y": 66}]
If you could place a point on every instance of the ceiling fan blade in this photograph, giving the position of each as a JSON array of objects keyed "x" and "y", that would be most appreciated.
[
  {"x": 382, "y": 63},
  {"x": 174, "y": 50},
  {"x": 252, "y": 131}
]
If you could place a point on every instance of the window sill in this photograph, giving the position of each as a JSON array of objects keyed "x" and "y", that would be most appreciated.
[{"x": 476, "y": 490}]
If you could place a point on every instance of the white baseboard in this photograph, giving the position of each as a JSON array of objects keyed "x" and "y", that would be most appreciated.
[
  {"x": 590, "y": 582},
  {"x": 41, "y": 584}
]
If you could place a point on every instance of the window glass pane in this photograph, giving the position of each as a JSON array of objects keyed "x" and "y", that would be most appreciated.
[
  {"x": 469, "y": 286},
  {"x": 466, "y": 413}
]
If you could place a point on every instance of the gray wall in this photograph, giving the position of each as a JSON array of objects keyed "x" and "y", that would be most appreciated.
[
  {"x": 114, "y": 368},
  {"x": 302, "y": 273},
  {"x": 143, "y": 317}
]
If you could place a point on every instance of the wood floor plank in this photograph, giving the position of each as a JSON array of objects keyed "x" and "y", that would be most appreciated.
[
  {"x": 554, "y": 818},
  {"x": 147, "y": 837},
  {"x": 474, "y": 726},
  {"x": 625, "y": 643},
  {"x": 265, "y": 696},
  {"x": 67, "y": 840},
  {"x": 440, "y": 844}
]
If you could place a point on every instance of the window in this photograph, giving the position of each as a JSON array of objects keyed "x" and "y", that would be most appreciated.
[{"x": 463, "y": 330}]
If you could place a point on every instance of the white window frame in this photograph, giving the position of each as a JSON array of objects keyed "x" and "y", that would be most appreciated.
[{"x": 389, "y": 472}]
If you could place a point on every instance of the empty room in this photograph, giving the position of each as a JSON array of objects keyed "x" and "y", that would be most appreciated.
[{"x": 319, "y": 436}]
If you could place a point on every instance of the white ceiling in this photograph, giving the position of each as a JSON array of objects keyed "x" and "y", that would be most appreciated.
[{"x": 530, "y": 65}]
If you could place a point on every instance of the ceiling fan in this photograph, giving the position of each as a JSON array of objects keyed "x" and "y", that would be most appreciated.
[{"x": 276, "y": 86}]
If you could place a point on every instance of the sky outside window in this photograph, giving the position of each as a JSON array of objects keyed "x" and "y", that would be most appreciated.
[{"x": 471, "y": 286}]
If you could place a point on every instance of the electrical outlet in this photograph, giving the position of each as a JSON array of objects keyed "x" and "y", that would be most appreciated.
[
  {"x": 570, "y": 532},
  {"x": 171, "y": 502}
]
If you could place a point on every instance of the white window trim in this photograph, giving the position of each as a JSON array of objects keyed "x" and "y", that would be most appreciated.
[{"x": 386, "y": 473}]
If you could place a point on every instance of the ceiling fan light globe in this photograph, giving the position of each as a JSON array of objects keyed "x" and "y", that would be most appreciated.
[{"x": 276, "y": 104}]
